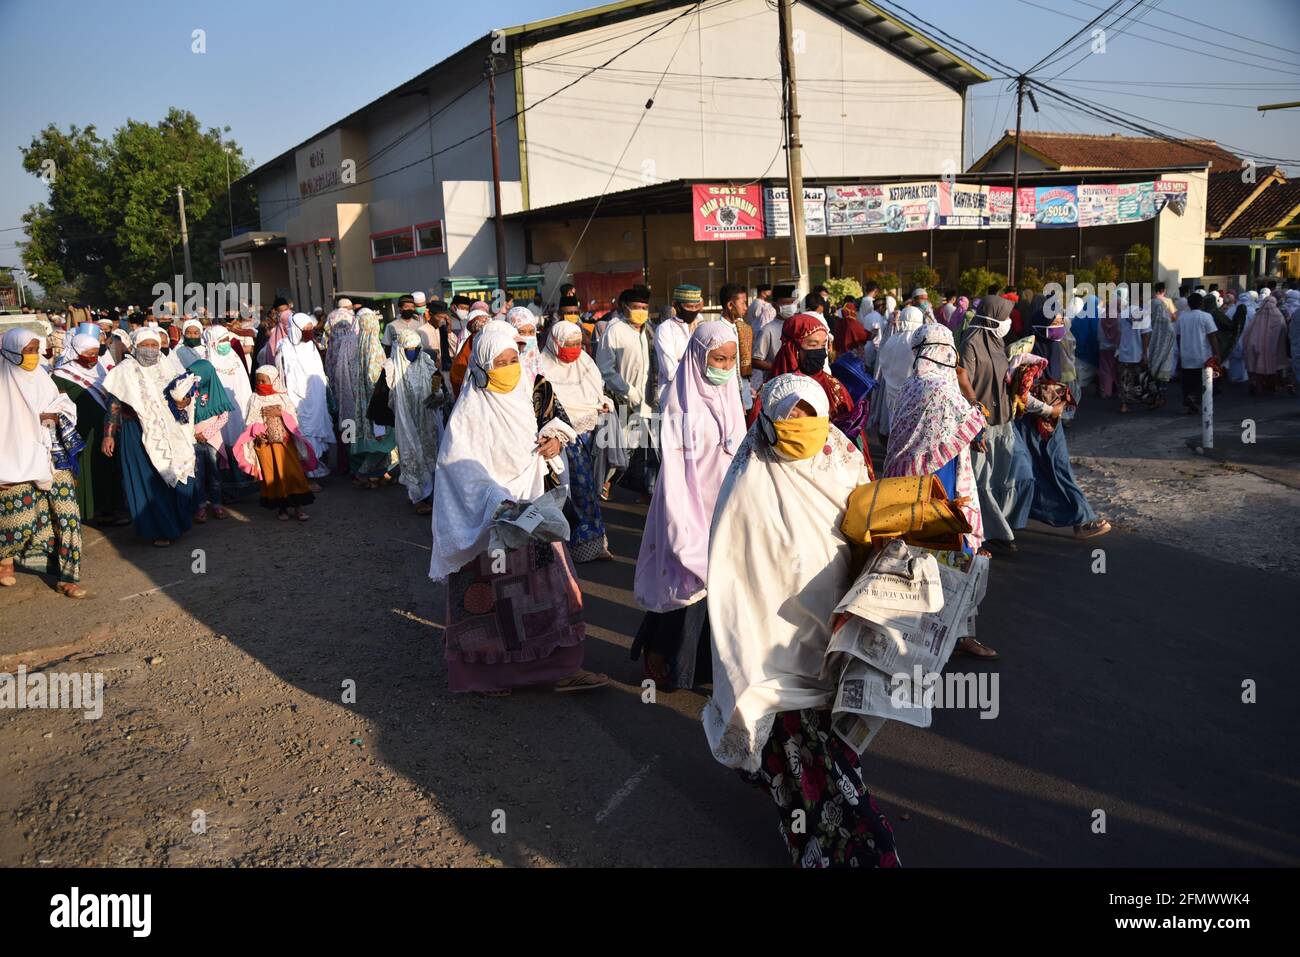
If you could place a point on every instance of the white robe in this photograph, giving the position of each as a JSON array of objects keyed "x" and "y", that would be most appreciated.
[
  {"x": 303, "y": 377},
  {"x": 671, "y": 339}
]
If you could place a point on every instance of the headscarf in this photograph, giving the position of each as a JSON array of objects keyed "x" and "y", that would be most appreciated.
[
  {"x": 24, "y": 396},
  {"x": 701, "y": 428},
  {"x": 984, "y": 357},
  {"x": 212, "y": 399},
  {"x": 793, "y": 332},
  {"x": 92, "y": 379},
  {"x": 895, "y": 362},
  {"x": 70, "y": 350},
  {"x": 410, "y": 384},
  {"x": 488, "y": 455},
  {"x": 341, "y": 362},
  {"x": 771, "y": 627},
  {"x": 849, "y": 333},
  {"x": 518, "y": 317},
  {"x": 233, "y": 374},
  {"x": 1264, "y": 341},
  {"x": 303, "y": 374},
  {"x": 151, "y": 391},
  {"x": 188, "y": 355},
  {"x": 931, "y": 421},
  {"x": 578, "y": 384}
]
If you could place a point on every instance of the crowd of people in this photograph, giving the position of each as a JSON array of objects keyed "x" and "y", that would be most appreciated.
[{"x": 745, "y": 432}]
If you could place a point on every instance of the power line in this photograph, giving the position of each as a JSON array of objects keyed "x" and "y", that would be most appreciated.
[
  {"x": 1118, "y": 33},
  {"x": 1062, "y": 48}
]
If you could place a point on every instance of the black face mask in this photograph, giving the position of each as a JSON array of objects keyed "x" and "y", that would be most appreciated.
[
  {"x": 408, "y": 313},
  {"x": 812, "y": 361}
]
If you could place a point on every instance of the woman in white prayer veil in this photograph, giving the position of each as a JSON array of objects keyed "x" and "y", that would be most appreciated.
[
  {"x": 779, "y": 510},
  {"x": 303, "y": 375},
  {"x": 514, "y": 616},
  {"x": 894, "y": 365}
]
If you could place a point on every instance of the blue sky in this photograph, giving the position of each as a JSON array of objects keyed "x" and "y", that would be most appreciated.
[{"x": 277, "y": 72}]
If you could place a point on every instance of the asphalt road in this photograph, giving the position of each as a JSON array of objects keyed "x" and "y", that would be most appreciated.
[{"x": 1119, "y": 692}]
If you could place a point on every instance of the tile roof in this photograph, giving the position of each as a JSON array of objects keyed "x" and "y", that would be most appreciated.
[
  {"x": 1269, "y": 210},
  {"x": 1087, "y": 151}
]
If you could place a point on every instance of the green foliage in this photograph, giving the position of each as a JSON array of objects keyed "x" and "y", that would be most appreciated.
[
  {"x": 1030, "y": 280},
  {"x": 110, "y": 228},
  {"x": 925, "y": 277},
  {"x": 1137, "y": 265},
  {"x": 1105, "y": 271},
  {"x": 975, "y": 281},
  {"x": 1084, "y": 274},
  {"x": 841, "y": 289},
  {"x": 888, "y": 282}
]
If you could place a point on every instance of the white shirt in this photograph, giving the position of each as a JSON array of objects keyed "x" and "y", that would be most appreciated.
[
  {"x": 766, "y": 345},
  {"x": 1192, "y": 328},
  {"x": 1131, "y": 330}
]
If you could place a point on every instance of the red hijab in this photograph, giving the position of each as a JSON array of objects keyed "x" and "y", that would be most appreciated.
[{"x": 793, "y": 332}]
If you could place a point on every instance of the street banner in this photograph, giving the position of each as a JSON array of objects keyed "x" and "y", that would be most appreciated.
[
  {"x": 1056, "y": 206},
  {"x": 1135, "y": 202},
  {"x": 999, "y": 207},
  {"x": 911, "y": 206},
  {"x": 1171, "y": 193},
  {"x": 853, "y": 210},
  {"x": 776, "y": 211},
  {"x": 1098, "y": 205},
  {"x": 727, "y": 212},
  {"x": 1027, "y": 208},
  {"x": 963, "y": 206}
]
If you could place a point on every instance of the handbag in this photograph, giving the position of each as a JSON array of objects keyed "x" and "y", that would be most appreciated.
[{"x": 915, "y": 508}]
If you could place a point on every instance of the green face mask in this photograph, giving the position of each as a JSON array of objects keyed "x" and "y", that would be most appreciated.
[
  {"x": 223, "y": 348},
  {"x": 193, "y": 341},
  {"x": 420, "y": 310},
  {"x": 719, "y": 376}
]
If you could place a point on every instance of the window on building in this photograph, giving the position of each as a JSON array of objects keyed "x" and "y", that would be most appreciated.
[
  {"x": 428, "y": 238},
  {"x": 392, "y": 244}
]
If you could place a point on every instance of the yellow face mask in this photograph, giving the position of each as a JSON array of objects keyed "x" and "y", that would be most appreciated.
[
  {"x": 30, "y": 361},
  {"x": 801, "y": 438},
  {"x": 570, "y": 318},
  {"x": 504, "y": 379},
  {"x": 638, "y": 316}
]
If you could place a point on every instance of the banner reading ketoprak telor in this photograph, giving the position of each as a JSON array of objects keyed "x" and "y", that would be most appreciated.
[
  {"x": 727, "y": 212},
  {"x": 911, "y": 206}
]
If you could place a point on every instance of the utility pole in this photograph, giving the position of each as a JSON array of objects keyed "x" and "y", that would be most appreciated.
[
  {"x": 1278, "y": 106},
  {"x": 490, "y": 69},
  {"x": 230, "y": 203},
  {"x": 793, "y": 160},
  {"x": 1015, "y": 185},
  {"x": 185, "y": 241}
]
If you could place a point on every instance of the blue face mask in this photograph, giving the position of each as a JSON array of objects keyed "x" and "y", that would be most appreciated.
[
  {"x": 411, "y": 354},
  {"x": 529, "y": 343},
  {"x": 719, "y": 376}
]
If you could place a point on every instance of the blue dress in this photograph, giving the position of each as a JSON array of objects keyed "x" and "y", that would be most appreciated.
[
  {"x": 1058, "y": 500},
  {"x": 158, "y": 509}
]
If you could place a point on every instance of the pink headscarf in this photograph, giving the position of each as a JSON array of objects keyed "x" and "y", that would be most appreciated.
[{"x": 702, "y": 427}]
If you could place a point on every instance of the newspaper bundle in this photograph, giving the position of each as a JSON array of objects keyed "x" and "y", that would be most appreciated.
[
  {"x": 895, "y": 633},
  {"x": 541, "y": 519}
]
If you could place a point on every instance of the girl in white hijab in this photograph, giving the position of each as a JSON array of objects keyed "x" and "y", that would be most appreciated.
[
  {"x": 233, "y": 375},
  {"x": 192, "y": 346},
  {"x": 779, "y": 510},
  {"x": 151, "y": 424},
  {"x": 895, "y": 365},
  {"x": 578, "y": 385},
  {"x": 38, "y": 448},
  {"x": 303, "y": 376},
  {"x": 514, "y": 617}
]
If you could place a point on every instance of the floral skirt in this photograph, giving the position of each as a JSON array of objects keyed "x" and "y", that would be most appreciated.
[
  {"x": 587, "y": 541},
  {"x": 828, "y": 817},
  {"x": 42, "y": 530}
]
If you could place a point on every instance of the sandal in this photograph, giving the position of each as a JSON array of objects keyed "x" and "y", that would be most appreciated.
[
  {"x": 201, "y": 515},
  {"x": 974, "y": 648},
  {"x": 218, "y": 512},
  {"x": 1092, "y": 529},
  {"x": 283, "y": 516},
  {"x": 73, "y": 590},
  {"x": 313, "y": 486},
  {"x": 581, "y": 680},
  {"x": 162, "y": 543},
  {"x": 424, "y": 508},
  {"x": 7, "y": 579},
  {"x": 604, "y": 492},
  {"x": 301, "y": 516},
  {"x": 662, "y": 679}
]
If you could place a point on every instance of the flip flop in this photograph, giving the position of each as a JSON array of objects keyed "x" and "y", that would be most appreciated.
[
  {"x": 302, "y": 516},
  {"x": 581, "y": 681},
  {"x": 1092, "y": 529}
]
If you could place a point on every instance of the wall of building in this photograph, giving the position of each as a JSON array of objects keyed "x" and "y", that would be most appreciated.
[
  {"x": 1005, "y": 162},
  {"x": 864, "y": 110},
  {"x": 1180, "y": 240}
]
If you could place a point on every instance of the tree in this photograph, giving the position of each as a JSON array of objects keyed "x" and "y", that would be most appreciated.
[
  {"x": 888, "y": 282},
  {"x": 975, "y": 281},
  {"x": 926, "y": 278},
  {"x": 841, "y": 289},
  {"x": 1030, "y": 280},
  {"x": 1105, "y": 270},
  {"x": 110, "y": 228},
  {"x": 1137, "y": 264}
]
